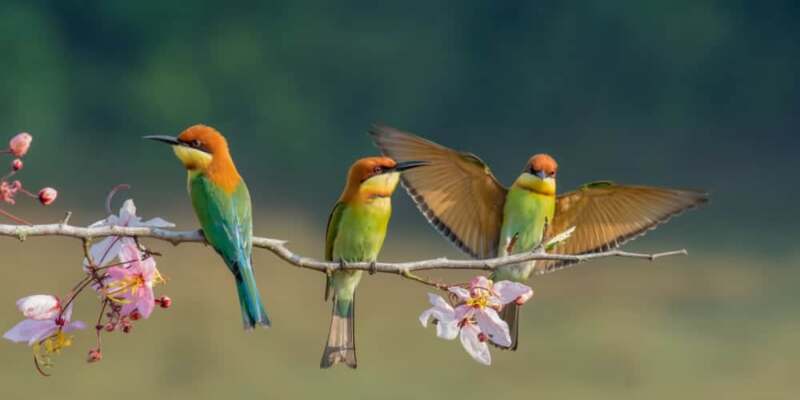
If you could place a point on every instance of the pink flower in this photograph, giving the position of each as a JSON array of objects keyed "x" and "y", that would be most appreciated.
[
  {"x": 9, "y": 190},
  {"x": 47, "y": 196},
  {"x": 107, "y": 249},
  {"x": 475, "y": 319},
  {"x": 19, "y": 144},
  {"x": 131, "y": 284},
  {"x": 34, "y": 331},
  {"x": 39, "y": 306},
  {"x": 16, "y": 165}
]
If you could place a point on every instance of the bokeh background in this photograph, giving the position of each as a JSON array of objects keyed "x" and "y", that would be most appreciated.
[{"x": 700, "y": 94}]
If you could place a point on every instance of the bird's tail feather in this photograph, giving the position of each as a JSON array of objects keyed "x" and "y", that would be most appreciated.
[
  {"x": 510, "y": 314},
  {"x": 253, "y": 312},
  {"x": 341, "y": 346}
]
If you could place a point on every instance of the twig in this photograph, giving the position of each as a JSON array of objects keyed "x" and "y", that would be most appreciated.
[{"x": 279, "y": 248}]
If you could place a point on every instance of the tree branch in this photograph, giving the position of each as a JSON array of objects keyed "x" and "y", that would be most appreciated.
[{"x": 279, "y": 248}]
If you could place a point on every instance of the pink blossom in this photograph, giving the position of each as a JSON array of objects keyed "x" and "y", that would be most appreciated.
[
  {"x": 19, "y": 144},
  {"x": 39, "y": 306},
  {"x": 131, "y": 284},
  {"x": 9, "y": 190},
  {"x": 47, "y": 196},
  {"x": 107, "y": 249},
  {"x": 475, "y": 319},
  {"x": 16, "y": 165},
  {"x": 37, "y": 330}
]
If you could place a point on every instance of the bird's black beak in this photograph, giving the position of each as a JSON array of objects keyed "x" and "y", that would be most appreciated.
[
  {"x": 164, "y": 139},
  {"x": 406, "y": 165}
]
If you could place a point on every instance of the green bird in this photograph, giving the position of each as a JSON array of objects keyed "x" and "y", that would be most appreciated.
[
  {"x": 463, "y": 200},
  {"x": 221, "y": 203},
  {"x": 355, "y": 233}
]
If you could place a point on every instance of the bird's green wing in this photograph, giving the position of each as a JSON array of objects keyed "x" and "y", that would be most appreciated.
[
  {"x": 332, "y": 229},
  {"x": 455, "y": 191},
  {"x": 606, "y": 215},
  {"x": 226, "y": 219}
]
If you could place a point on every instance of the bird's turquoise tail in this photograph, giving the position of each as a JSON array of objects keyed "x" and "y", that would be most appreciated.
[{"x": 253, "y": 312}]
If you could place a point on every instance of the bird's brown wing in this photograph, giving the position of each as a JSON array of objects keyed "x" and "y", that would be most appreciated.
[
  {"x": 606, "y": 215},
  {"x": 456, "y": 191}
]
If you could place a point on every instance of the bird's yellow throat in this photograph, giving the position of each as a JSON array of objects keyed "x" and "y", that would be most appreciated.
[
  {"x": 535, "y": 184},
  {"x": 382, "y": 185},
  {"x": 192, "y": 159}
]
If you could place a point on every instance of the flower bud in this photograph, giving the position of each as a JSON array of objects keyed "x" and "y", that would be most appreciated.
[
  {"x": 95, "y": 355},
  {"x": 16, "y": 165},
  {"x": 135, "y": 315},
  {"x": 110, "y": 327},
  {"x": 47, "y": 196},
  {"x": 19, "y": 144},
  {"x": 164, "y": 302},
  {"x": 39, "y": 306}
]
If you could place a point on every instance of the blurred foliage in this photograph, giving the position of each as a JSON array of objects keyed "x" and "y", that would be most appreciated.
[{"x": 683, "y": 93}]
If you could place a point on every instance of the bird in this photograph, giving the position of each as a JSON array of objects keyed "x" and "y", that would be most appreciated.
[
  {"x": 221, "y": 203},
  {"x": 355, "y": 232},
  {"x": 458, "y": 194}
]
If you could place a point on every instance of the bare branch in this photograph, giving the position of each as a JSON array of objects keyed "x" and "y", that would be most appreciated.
[{"x": 279, "y": 248}]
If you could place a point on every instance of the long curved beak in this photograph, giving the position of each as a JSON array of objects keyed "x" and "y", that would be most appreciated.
[
  {"x": 406, "y": 165},
  {"x": 164, "y": 139}
]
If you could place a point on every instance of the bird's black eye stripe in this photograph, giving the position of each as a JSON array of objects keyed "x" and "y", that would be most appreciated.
[{"x": 195, "y": 144}]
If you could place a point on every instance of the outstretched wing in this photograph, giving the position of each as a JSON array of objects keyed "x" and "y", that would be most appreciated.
[
  {"x": 456, "y": 191},
  {"x": 606, "y": 215}
]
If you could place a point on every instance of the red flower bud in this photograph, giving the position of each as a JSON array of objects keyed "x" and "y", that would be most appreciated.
[
  {"x": 16, "y": 165},
  {"x": 47, "y": 196},
  {"x": 164, "y": 301},
  {"x": 110, "y": 327},
  {"x": 19, "y": 144},
  {"x": 95, "y": 355},
  {"x": 127, "y": 328},
  {"x": 135, "y": 316}
]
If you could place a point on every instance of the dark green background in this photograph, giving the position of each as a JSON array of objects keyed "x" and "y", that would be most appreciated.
[{"x": 700, "y": 94}]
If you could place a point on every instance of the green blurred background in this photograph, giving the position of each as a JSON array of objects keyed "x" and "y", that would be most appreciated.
[{"x": 701, "y": 94}]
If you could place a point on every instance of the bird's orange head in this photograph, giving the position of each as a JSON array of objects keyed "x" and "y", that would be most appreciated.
[
  {"x": 374, "y": 177},
  {"x": 539, "y": 175},
  {"x": 543, "y": 166},
  {"x": 203, "y": 149}
]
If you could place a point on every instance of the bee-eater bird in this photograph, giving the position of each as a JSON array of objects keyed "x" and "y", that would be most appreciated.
[
  {"x": 221, "y": 203},
  {"x": 460, "y": 196},
  {"x": 355, "y": 233}
]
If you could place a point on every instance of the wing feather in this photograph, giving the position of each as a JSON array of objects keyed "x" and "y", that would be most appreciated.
[
  {"x": 606, "y": 215},
  {"x": 456, "y": 192}
]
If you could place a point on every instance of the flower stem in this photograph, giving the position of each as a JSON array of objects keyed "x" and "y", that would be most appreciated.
[{"x": 13, "y": 217}]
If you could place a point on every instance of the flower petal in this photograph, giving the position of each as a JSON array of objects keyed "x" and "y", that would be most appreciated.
[
  {"x": 508, "y": 291},
  {"x": 127, "y": 212},
  {"x": 463, "y": 311},
  {"x": 74, "y": 326},
  {"x": 491, "y": 324},
  {"x": 158, "y": 223},
  {"x": 478, "y": 350},
  {"x": 447, "y": 329},
  {"x": 39, "y": 306},
  {"x": 145, "y": 302},
  {"x": 30, "y": 331},
  {"x": 463, "y": 294},
  {"x": 480, "y": 281}
]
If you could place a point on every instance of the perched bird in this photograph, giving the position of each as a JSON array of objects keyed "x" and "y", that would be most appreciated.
[
  {"x": 460, "y": 196},
  {"x": 355, "y": 233},
  {"x": 222, "y": 204}
]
